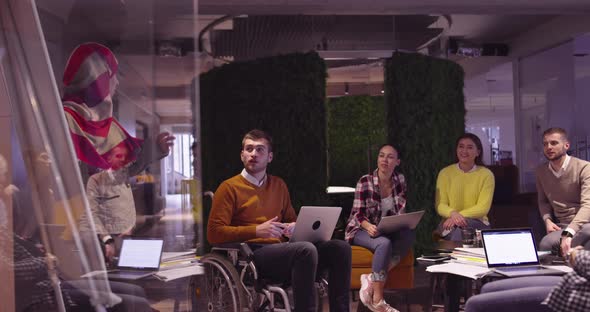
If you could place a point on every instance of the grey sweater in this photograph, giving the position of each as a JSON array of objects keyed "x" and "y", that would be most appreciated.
[{"x": 567, "y": 197}]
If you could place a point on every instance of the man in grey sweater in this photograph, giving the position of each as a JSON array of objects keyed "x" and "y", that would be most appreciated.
[{"x": 563, "y": 188}]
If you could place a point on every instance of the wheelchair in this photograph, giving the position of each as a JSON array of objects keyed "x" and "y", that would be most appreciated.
[{"x": 232, "y": 283}]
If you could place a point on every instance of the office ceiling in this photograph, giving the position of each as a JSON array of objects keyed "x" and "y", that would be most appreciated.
[{"x": 257, "y": 28}]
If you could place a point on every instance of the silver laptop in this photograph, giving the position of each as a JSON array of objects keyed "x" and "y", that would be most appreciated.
[
  {"x": 138, "y": 258},
  {"x": 394, "y": 223},
  {"x": 315, "y": 224},
  {"x": 512, "y": 252}
]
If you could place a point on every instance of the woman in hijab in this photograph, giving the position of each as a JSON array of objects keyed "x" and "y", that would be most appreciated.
[{"x": 90, "y": 81}]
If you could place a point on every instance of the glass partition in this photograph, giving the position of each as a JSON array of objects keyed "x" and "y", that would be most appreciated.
[
  {"x": 93, "y": 94},
  {"x": 547, "y": 97}
]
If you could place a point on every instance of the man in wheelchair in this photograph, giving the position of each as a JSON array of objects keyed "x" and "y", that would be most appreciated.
[{"x": 254, "y": 207}]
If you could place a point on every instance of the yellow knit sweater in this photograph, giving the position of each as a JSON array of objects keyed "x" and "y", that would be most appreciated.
[
  {"x": 239, "y": 206},
  {"x": 469, "y": 193}
]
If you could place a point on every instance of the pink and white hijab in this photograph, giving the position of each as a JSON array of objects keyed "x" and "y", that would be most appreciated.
[{"x": 89, "y": 82}]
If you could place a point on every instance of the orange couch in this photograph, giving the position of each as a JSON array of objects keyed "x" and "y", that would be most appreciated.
[{"x": 400, "y": 277}]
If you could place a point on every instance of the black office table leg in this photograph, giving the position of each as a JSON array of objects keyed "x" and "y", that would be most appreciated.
[{"x": 452, "y": 292}]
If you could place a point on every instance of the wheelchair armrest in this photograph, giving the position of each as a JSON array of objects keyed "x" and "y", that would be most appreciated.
[{"x": 247, "y": 252}]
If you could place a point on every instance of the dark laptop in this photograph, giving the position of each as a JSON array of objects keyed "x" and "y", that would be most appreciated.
[
  {"x": 138, "y": 258},
  {"x": 513, "y": 252}
]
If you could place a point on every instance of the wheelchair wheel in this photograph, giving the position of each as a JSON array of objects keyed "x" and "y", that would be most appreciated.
[{"x": 223, "y": 289}]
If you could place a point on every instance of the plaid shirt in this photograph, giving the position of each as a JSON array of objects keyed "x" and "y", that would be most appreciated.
[
  {"x": 34, "y": 289},
  {"x": 367, "y": 201},
  {"x": 572, "y": 294}
]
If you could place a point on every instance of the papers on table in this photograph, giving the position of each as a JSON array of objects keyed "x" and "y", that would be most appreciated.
[
  {"x": 478, "y": 252},
  {"x": 177, "y": 265},
  {"x": 472, "y": 256},
  {"x": 176, "y": 273},
  {"x": 171, "y": 256},
  {"x": 562, "y": 268},
  {"x": 470, "y": 271}
]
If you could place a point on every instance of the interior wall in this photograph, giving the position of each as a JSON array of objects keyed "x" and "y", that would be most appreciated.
[
  {"x": 502, "y": 121},
  {"x": 547, "y": 99}
]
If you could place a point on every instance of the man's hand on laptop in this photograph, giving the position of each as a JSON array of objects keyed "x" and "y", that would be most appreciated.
[
  {"x": 551, "y": 227},
  {"x": 289, "y": 229},
  {"x": 370, "y": 228},
  {"x": 270, "y": 229}
]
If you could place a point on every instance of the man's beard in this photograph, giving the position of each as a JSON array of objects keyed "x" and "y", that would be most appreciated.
[{"x": 555, "y": 157}]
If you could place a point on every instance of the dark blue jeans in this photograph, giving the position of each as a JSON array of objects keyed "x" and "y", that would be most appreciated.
[
  {"x": 513, "y": 295},
  {"x": 300, "y": 262}
]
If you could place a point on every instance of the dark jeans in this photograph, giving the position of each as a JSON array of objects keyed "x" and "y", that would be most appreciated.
[
  {"x": 133, "y": 297},
  {"x": 513, "y": 295},
  {"x": 552, "y": 240},
  {"x": 300, "y": 262}
]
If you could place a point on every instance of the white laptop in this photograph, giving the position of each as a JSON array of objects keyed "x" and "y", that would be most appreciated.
[
  {"x": 138, "y": 258},
  {"x": 394, "y": 223},
  {"x": 315, "y": 224},
  {"x": 512, "y": 252}
]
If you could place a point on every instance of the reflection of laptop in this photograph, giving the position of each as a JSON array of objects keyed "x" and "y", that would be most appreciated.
[
  {"x": 391, "y": 224},
  {"x": 512, "y": 252},
  {"x": 315, "y": 224},
  {"x": 138, "y": 258}
]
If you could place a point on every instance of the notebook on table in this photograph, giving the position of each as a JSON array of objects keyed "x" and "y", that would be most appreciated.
[
  {"x": 315, "y": 224},
  {"x": 513, "y": 252},
  {"x": 138, "y": 258},
  {"x": 394, "y": 223}
]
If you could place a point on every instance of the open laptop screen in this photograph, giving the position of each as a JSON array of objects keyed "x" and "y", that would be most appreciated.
[
  {"x": 508, "y": 247},
  {"x": 140, "y": 253}
]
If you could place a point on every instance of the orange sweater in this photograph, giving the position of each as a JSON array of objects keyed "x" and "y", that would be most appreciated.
[{"x": 239, "y": 206}]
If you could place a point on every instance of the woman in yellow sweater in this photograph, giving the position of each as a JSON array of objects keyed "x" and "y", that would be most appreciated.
[{"x": 464, "y": 190}]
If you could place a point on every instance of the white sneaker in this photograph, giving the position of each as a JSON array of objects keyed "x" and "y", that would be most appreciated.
[
  {"x": 366, "y": 291},
  {"x": 382, "y": 306}
]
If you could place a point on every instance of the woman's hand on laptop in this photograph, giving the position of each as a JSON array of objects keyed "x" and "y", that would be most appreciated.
[
  {"x": 270, "y": 229},
  {"x": 370, "y": 228}
]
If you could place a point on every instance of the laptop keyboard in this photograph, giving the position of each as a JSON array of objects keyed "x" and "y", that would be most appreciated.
[
  {"x": 522, "y": 269},
  {"x": 128, "y": 274}
]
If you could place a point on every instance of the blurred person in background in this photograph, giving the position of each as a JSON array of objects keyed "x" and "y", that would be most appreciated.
[{"x": 90, "y": 82}]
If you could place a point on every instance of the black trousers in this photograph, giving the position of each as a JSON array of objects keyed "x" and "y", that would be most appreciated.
[{"x": 300, "y": 262}]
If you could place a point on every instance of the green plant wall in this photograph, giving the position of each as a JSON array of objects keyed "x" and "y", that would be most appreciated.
[
  {"x": 283, "y": 95},
  {"x": 356, "y": 129},
  {"x": 425, "y": 114}
]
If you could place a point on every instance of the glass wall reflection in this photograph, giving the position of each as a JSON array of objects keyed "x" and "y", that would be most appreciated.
[{"x": 94, "y": 95}]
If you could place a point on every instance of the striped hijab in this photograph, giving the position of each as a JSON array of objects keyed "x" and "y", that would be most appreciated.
[{"x": 89, "y": 84}]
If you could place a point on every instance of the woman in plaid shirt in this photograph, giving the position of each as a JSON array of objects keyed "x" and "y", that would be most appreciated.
[{"x": 382, "y": 193}]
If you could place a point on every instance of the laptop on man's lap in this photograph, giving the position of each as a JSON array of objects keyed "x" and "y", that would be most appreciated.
[
  {"x": 513, "y": 252},
  {"x": 315, "y": 224}
]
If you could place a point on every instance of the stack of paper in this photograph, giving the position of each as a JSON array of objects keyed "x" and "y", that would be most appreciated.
[
  {"x": 173, "y": 256},
  {"x": 472, "y": 256},
  {"x": 176, "y": 265},
  {"x": 471, "y": 271},
  {"x": 175, "y": 260},
  {"x": 176, "y": 273}
]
